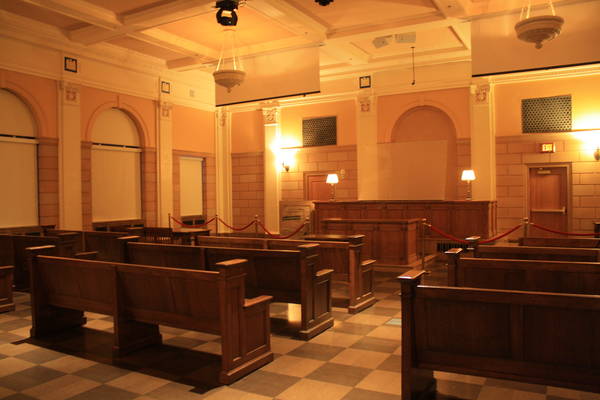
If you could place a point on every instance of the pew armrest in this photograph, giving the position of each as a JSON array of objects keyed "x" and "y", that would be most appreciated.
[
  {"x": 87, "y": 255},
  {"x": 411, "y": 275},
  {"x": 253, "y": 302},
  {"x": 324, "y": 272},
  {"x": 367, "y": 263}
]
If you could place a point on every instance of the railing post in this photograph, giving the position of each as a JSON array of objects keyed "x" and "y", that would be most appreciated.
[
  {"x": 306, "y": 224},
  {"x": 216, "y": 224},
  {"x": 473, "y": 243},
  {"x": 525, "y": 227},
  {"x": 169, "y": 220},
  {"x": 256, "y": 225},
  {"x": 423, "y": 224},
  {"x": 597, "y": 229}
]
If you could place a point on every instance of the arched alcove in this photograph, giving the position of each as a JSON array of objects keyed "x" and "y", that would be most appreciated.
[
  {"x": 115, "y": 167},
  {"x": 420, "y": 162},
  {"x": 18, "y": 163}
]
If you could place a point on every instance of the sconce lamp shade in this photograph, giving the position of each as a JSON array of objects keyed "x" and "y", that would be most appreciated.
[
  {"x": 468, "y": 175},
  {"x": 332, "y": 179}
]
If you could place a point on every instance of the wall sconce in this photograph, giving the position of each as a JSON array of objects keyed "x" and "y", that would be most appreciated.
[
  {"x": 468, "y": 175},
  {"x": 333, "y": 180},
  {"x": 287, "y": 156}
]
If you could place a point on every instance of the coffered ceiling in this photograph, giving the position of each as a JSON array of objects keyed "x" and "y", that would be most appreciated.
[{"x": 353, "y": 35}]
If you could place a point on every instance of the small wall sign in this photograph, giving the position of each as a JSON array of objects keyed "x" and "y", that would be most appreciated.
[
  {"x": 364, "y": 82},
  {"x": 71, "y": 64},
  {"x": 547, "y": 148},
  {"x": 165, "y": 87}
]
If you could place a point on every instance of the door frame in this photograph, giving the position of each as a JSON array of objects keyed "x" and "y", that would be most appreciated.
[
  {"x": 312, "y": 173},
  {"x": 569, "y": 206}
]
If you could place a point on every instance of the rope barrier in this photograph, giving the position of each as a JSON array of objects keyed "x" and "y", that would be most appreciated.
[
  {"x": 446, "y": 235},
  {"x": 193, "y": 226},
  {"x": 560, "y": 232},
  {"x": 264, "y": 228},
  {"x": 237, "y": 229},
  {"x": 500, "y": 236}
]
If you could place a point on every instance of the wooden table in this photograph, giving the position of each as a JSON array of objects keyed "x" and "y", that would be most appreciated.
[{"x": 188, "y": 235}]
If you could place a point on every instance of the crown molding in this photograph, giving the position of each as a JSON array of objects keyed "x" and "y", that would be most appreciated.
[{"x": 558, "y": 73}]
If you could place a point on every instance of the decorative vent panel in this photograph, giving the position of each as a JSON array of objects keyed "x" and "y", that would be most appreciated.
[
  {"x": 319, "y": 131},
  {"x": 546, "y": 114}
]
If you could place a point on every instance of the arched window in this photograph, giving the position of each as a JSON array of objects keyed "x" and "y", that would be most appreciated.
[
  {"x": 18, "y": 163},
  {"x": 116, "y": 168},
  {"x": 421, "y": 159}
]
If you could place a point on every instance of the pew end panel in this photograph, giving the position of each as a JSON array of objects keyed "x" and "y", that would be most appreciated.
[
  {"x": 6, "y": 290},
  {"x": 315, "y": 291},
  {"x": 361, "y": 293},
  {"x": 62, "y": 289},
  {"x": 417, "y": 382},
  {"x": 535, "y": 337}
]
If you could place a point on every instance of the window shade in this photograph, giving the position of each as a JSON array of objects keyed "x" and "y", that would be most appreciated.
[
  {"x": 190, "y": 178},
  {"x": 116, "y": 186}
]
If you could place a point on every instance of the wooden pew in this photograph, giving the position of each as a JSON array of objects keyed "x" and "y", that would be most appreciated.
[
  {"x": 109, "y": 246},
  {"x": 140, "y": 297},
  {"x": 529, "y": 275},
  {"x": 344, "y": 257},
  {"x": 117, "y": 226},
  {"x": 290, "y": 276},
  {"x": 541, "y": 338},
  {"x": 34, "y": 230},
  {"x": 538, "y": 253},
  {"x": 12, "y": 252},
  {"x": 6, "y": 288},
  {"x": 559, "y": 242}
]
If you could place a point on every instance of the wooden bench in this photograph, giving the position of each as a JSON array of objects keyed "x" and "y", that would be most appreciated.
[
  {"x": 152, "y": 234},
  {"x": 139, "y": 298},
  {"x": 529, "y": 275},
  {"x": 290, "y": 276},
  {"x": 559, "y": 242},
  {"x": 541, "y": 338},
  {"x": 117, "y": 226},
  {"x": 538, "y": 253},
  {"x": 34, "y": 230},
  {"x": 344, "y": 257},
  {"x": 12, "y": 252},
  {"x": 109, "y": 246},
  {"x": 6, "y": 288}
]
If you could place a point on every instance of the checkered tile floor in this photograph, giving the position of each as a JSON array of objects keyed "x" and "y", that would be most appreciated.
[{"x": 358, "y": 359}]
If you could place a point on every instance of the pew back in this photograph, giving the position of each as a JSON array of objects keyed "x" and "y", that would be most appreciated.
[
  {"x": 528, "y": 275},
  {"x": 538, "y": 253},
  {"x": 559, "y": 242}
]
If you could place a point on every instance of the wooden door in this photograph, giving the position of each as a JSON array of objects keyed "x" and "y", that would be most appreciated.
[
  {"x": 548, "y": 199},
  {"x": 317, "y": 188}
]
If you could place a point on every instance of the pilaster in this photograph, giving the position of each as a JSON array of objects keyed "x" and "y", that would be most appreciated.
[
  {"x": 272, "y": 130},
  {"x": 366, "y": 146},
  {"x": 164, "y": 179},
  {"x": 483, "y": 140},
  {"x": 223, "y": 166},
  {"x": 69, "y": 156}
]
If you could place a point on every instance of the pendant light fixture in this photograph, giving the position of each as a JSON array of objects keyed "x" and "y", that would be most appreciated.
[
  {"x": 538, "y": 29},
  {"x": 229, "y": 71}
]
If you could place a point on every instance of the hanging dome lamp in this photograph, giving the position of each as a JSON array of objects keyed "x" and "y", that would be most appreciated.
[
  {"x": 540, "y": 28},
  {"x": 229, "y": 71}
]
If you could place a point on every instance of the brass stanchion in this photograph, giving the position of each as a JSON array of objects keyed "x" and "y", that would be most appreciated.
[
  {"x": 525, "y": 227},
  {"x": 216, "y": 224},
  {"x": 256, "y": 225},
  {"x": 423, "y": 224}
]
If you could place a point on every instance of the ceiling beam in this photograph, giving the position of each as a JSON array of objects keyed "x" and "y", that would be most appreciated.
[
  {"x": 452, "y": 8},
  {"x": 141, "y": 20},
  {"x": 462, "y": 32},
  {"x": 347, "y": 53},
  {"x": 414, "y": 24},
  {"x": 174, "y": 43},
  {"x": 80, "y": 10},
  {"x": 290, "y": 18}
]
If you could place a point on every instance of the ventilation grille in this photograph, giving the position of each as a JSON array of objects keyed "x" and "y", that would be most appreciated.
[
  {"x": 546, "y": 114},
  {"x": 319, "y": 131}
]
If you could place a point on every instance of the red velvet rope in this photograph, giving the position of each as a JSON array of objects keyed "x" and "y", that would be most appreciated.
[
  {"x": 500, "y": 236},
  {"x": 193, "y": 226},
  {"x": 447, "y": 235},
  {"x": 560, "y": 232},
  {"x": 237, "y": 229},
  {"x": 264, "y": 228}
]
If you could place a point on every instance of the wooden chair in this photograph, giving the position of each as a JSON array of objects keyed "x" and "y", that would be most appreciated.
[{"x": 538, "y": 253}]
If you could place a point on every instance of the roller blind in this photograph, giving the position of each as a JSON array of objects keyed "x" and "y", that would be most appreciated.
[
  {"x": 116, "y": 186},
  {"x": 18, "y": 180},
  {"x": 190, "y": 178}
]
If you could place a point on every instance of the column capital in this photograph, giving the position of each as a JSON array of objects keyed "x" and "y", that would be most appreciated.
[
  {"x": 481, "y": 93},
  {"x": 271, "y": 113},
  {"x": 70, "y": 92},
  {"x": 165, "y": 109}
]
